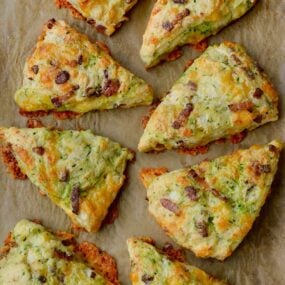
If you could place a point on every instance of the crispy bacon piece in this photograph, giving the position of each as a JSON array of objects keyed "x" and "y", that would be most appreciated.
[
  {"x": 247, "y": 105},
  {"x": 111, "y": 87},
  {"x": 183, "y": 116},
  {"x": 191, "y": 193},
  {"x": 261, "y": 168},
  {"x": 218, "y": 194},
  {"x": 169, "y": 205},
  {"x": 202, "y": 228},
  {"x": 75, "y": 197},
  {"x": 61, "y": 254}
]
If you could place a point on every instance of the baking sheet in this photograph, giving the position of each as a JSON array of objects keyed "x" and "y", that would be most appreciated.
[{"x": 261, "y": 257}]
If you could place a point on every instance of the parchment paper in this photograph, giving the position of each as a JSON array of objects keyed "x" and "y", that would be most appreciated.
[{"x": 261, "y": 257}]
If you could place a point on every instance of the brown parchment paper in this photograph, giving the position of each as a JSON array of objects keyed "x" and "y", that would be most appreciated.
[{"x": 261, "y": 257}]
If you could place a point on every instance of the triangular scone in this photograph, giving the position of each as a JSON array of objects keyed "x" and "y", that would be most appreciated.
[
  {"x": 174, "y": 23},
  {"x": 34, "y": 255},
  {"x": 223, "y": 93},
  {"x": 150, "y": 266},
  {"x": 210, "y": 207},
  {"x": 69, "y": 73},
  {"x": 80, "y": 172},
  {"x": 106, "y": 16}
]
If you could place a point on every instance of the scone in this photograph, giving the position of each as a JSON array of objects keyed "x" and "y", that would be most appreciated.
[
  {"x": 80, "y": 172},
  {"x": 33, "y": 255},
  {"x": 210, "y": 207},
  {"x": 174, "y": 23},
  {"x": 67, "y": 72},
  {"x": 150, "y": 265},
  {"x": 221, "y": 95},
  {"x": 105, "y": 16}
]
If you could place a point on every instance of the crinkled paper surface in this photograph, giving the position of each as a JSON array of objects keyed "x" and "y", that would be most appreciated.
[{"x": 261, "y": 257}]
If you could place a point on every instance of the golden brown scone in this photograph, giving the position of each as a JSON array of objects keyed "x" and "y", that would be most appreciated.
[
  {"x": 80, "y": 172},
  {"x": 149, "y": 265},
  {"x": 222, "y": 95},
  {"x": 34, "y": 255},
  {"x": 105, "y": 16},
  {"x": 70, "y": 75},
  {"x": 210, "y": 207},
  {"x": 175, "y": 23}
]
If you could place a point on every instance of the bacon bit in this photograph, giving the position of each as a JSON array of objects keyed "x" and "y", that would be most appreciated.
[
  {"x": 258, "y": 93},
  {"x": 258, "y": 119},
  {"x": 237, "y": 138},
  {"x": 39, "y": 150},
  {"x": 93, "y": 91},
  {"x": 42, "y": 279},
  {"x": 175, "y": 254},
  {"x": 180, "y": 16},
  {"x": 195, "y": 150},
  {"x": 75, "y": 195},
  {"x": 201, "y": 46},
  {"x": 193, "y": 86},
  {"x": 62, "y": 77},
  {"x": 100, "y": 28},
  {"x": 183, "y": 116},
  {"x": 62, "y": 255},
  {"x": 34, "y": 114},
  {"x": 63, "y": 175},
  {"x": 188, "y": 64},
  {"x": 11, "y": 162},
  {"x": 35, "y": 69},
  {"x": 51, "y": 23},
  {"x": 249, "y": 73},
  {"x": 65, "y": 115},
  {"x": 202, "y": 228},
  {"x": 261, "y": 168},
  {"x": 171, "y": 206},
  {"x": 179, "y": 1},
  {"x": 146, "y": 279},
  {"x": 111, "y": 87},
  {"x": 273, "y": 148},
  {"x": 168, "y": 26},
  {"x": 247, "y": 105},
  {"x": 34, "y": 123},
  {"x": 104, "y": 47},
  {"x": 218, "y": 194},
  {"x": 191, "y": 193},
  {"x": 80, "y": 59},
  {"x": 174, "y": 55}
]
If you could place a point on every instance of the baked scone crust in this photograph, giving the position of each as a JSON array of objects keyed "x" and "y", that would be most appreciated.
[
  {"x": 69, "y": 258},
  {"x": 209, "y": 208},
  {"x": 80, "y": 172},
  {"x": 222, "y": 94},
  {"x": 67, "y": 72},
  {"x": 176, "y": 23},
  {"x": 149, "y": 265}
]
